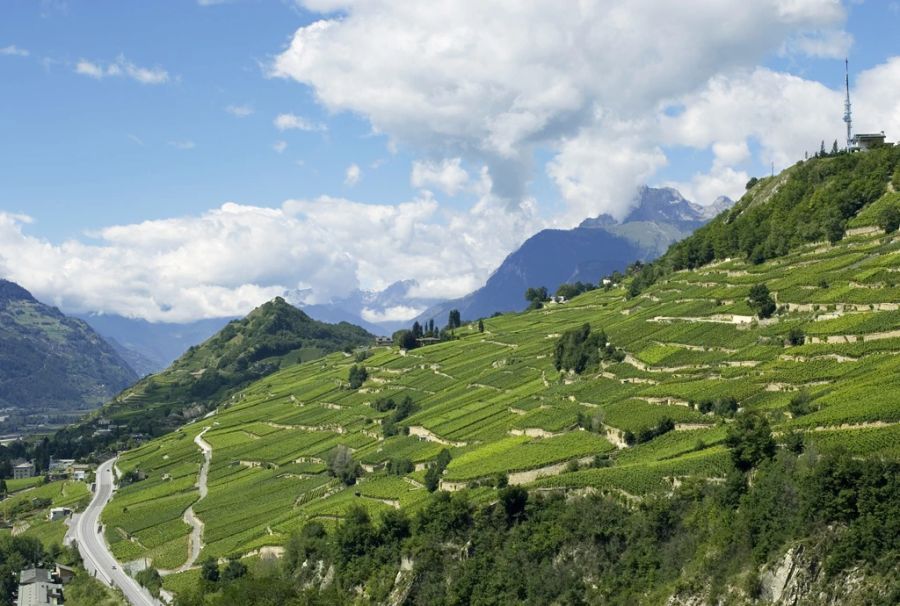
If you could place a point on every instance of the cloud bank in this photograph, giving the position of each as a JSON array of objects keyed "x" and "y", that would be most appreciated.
[{"x": 231, "y": 259}]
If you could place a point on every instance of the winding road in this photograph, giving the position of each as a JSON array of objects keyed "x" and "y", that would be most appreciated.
[
  {"x": 196, "y": 539},
  {"x": 98, "y": 559}
]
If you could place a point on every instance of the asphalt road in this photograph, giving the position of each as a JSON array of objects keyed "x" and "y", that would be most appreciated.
[{"x": 98, "y": 560}]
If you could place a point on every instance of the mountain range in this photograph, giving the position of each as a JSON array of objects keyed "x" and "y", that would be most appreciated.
[
  {"x": 597, "y": 247},
  {"x": 149, "y": 347},
  {"x": 51, "y": 361},
  {"x": 594, "y": 249}
]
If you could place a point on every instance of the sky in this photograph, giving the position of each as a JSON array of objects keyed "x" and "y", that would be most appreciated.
[{"x": 182, "y": 160}]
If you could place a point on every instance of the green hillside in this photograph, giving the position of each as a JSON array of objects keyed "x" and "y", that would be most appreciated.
[
  {"x": 687, "y": 362},
  {"x": 52, "y": 362},
  {"x": 275, "y": 335}
]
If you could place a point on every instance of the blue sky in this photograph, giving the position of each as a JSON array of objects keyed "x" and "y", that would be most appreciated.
[
  {"x": 117, "y": 113},
  {"x": 70, "y": 155}
]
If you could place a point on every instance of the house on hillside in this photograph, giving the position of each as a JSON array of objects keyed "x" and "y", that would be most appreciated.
[
  {"x": 35, "y": 575},
  {"x": 23, "y": 470},
  {"x": 39, "y": 594},
  {"x": 40, "y": 587},
  {"x": 78, "y": 471},
  {"x": 58, "y": 513},
  {"x": 382, "y": 341},
  {"x": 867, "y": 141}
]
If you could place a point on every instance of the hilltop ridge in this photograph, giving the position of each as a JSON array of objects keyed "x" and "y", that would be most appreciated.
[{"x": 275, "y": 335}]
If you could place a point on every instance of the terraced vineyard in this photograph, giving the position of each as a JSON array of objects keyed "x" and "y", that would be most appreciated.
[{"x": 497, "y": 403}]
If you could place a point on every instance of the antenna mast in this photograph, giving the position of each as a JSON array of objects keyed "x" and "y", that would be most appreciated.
[{"x": 847, "y": 117}]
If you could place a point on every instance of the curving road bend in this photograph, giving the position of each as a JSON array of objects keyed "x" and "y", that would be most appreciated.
[{"x": 98, "y": 559}]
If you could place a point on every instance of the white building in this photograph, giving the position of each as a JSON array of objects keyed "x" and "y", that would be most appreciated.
[{"x": 866, "y": 141}]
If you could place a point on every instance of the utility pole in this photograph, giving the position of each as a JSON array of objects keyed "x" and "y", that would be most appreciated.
[{"x": 847, "y": 117}]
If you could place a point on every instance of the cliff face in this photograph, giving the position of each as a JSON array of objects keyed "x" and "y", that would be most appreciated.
[{"x": 797, "y": 578}]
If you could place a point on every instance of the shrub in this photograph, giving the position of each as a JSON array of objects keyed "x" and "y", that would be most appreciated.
[
  {"x": 760, "y": 300},
  {"x": 149, "y": 578},
  {"x": 579, "y": 349},
  {"x": 357, "y": 376},
  {"x": 799, "y": 404},
  {"x": 889, "y": 219},
  {"x": 796, "y": 337},
  {"x": 405, "y": 339},
  {"x": 400, "y": 467},
  {"x": 436, "y": 470},
  {"x": 750, "y": 440},
  {"x": 342, "y": 466}
]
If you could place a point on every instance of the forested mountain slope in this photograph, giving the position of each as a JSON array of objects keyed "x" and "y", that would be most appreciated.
[
  {"x": 704, "y": 378},
  {"x": 50, "y": 361},
  {"x": 273, "y": 336}
]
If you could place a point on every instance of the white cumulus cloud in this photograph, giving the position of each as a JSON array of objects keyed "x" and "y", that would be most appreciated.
[
  {"x": 294, "y": 122},
  {"x": 448, "y": 175},
  {"x": 397, "y": 313},
  {"x": 530, "y": 76},
  {"x": 121, "y": 67},
  {"x": 352, "y": 175},
  {"x": 230, "y": 259},
  {"x": 14, "y": 51},
  {"x": 239, "y": 111}
]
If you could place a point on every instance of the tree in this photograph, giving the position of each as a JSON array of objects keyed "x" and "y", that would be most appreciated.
[
  {"x": 405, "y": 339},
  {"x": 834, "y": 230},
  {"x": 235, "y": 569},
  {"x": 514, "y": 499},
  {"x": 889, "y": 219},
  {"x": 834, "y": 148},
  {"x": 799, "y": 404},
  {"x": 402, "y": 410},
  {"x": 536, "y": 297},
  {"x": 436, "y": 470},
  {"x": 151, "y": 579},
  {"x": 310, "y": 544},
  {"x": 400, "y": 467},
  {"x": 753, "y": 181},
  {"x": 417, "y": 330},
  {"x": 795, "y": 336},
  {"x": 342, "y": 466},
  {"x": 454, "y": 320},
  {"x": 579, "y": 349},
  {"x": 750, "y": 440},
  {"x": 480, "y": 325},
  {"x": 760, "y": 300},
  {"x": 209, "y": 572},
  {"x": 357, "y": 376}
]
